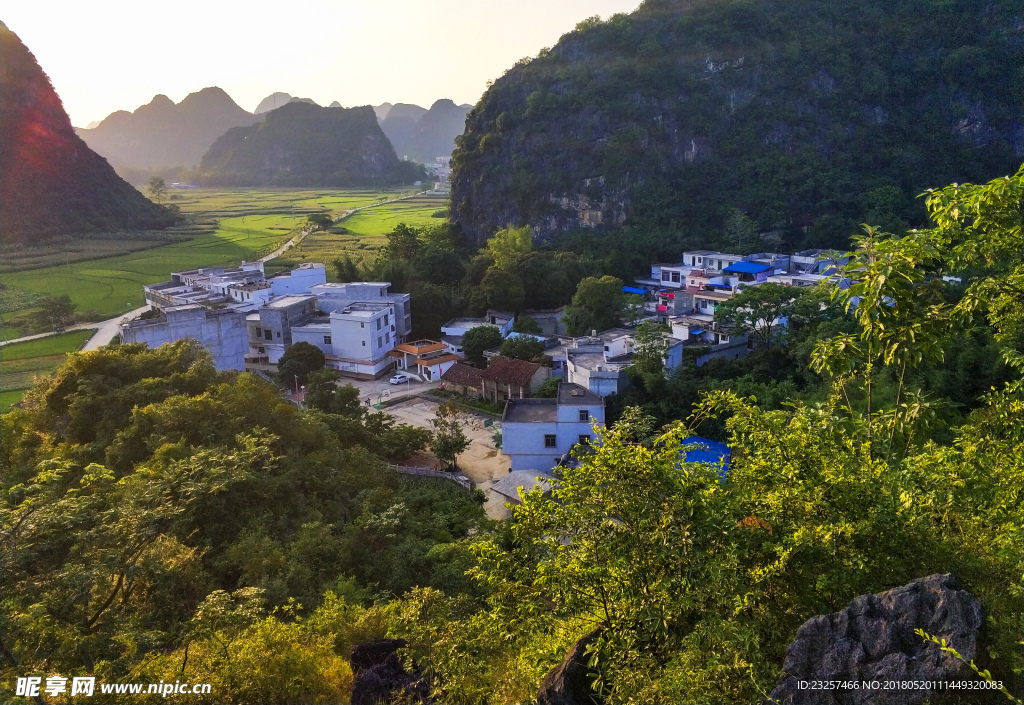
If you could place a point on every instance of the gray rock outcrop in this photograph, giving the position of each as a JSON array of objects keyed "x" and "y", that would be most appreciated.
[
  {"x": 873, "y": 641},
  {"x": 568, "y": 683},
  {"x": 378, "y": 675}
]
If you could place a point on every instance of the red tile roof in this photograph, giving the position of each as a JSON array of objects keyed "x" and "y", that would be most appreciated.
[
  {"x": 507, "y": 370},
  {"x": 463, "y": 375}
]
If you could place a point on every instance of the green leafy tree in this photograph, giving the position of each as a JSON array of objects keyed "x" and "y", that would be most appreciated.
[
  {"x": 759, "y": 309},
  {"x": 346, "y": 269},
  {"x": 298, "y": 362},
  {"x": 56, "y": 311},
  {"x": 478, "y": 339},
  {"x": 449, "y": 435},
  {"x": 577, "y": 320},
  {"x": 634, "y": 426},
  {"x": 740, "y": 231},
  {"x": 525, "y": 324},
  {"x": 403, "y": 243},
  {"x": 319, "y": 221},
  {"x": 501, "y": 290},
  {"x": 508, "y": 245},
  {"x": 157, "y": 189},
  {"x": 548, "y": 389},
  {"x": 601, "y": 299},
  {"x": 633, "y": 309},
  {"x": 522, "y": 347},
  {"x": 650, "y": 350},
  {"x": 324, "y": 393}
]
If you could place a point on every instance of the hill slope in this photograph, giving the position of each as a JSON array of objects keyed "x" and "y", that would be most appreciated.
[
  {"x": 807, "y": 115},
  {"x": 162, "y": 134},
  {"x": 51, "y": 182},
  {"x": 276, "y": 100},
  {"x": 305, "y": 145},
  {"x": 423, "y": 134}
]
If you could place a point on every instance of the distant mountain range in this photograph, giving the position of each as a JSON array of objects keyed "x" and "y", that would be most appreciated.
[
  {"x": 420, "y": 134},
  {"x": 52, "y": 182},
  {"x": 168, "y": 139},
  {"x": 306, "y": 145},
  {"x": 165, "y": 134}
]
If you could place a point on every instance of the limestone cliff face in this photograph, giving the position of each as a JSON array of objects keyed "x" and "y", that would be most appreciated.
[
  {"x": 306, "y": 145},
  {"x": 795, "y": 111}
]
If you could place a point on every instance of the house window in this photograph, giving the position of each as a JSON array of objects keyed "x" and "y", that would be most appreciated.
[
  {"x": 675, "y": 277},
  {"x": 387, "y": 338},
  {"x": 259, "y": 331},
  {"x": 385, "y": 319},
  {"x": 327, "y": 340},
  {"x": 364, "y": 343},
  {"x": 378, "y": 324},
  {"x": 665, "y": 276},
  {"x": 362, "y": 325},
  {"x": 584, "y": 439},
  {"x": 549, "y": 440},
  {"x": 379, "y": 343},
  {"x": 268, "y": 334},
  {"x": 278, "y": 334},
  {"x": 584, "y": 415},
  {"x": 262, "y": 351}
]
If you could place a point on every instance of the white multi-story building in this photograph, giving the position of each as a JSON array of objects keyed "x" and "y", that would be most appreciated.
[
  {"x": 336, "y": 297},
  {"x": 355, "y": 340},
  {"x": 536, "y": 434}
]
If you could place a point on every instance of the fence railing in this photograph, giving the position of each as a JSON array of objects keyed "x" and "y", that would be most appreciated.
[{"x": 457, "y": 478}]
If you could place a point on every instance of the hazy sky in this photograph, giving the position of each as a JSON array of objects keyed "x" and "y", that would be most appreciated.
[{"x": 117, "y": 54}]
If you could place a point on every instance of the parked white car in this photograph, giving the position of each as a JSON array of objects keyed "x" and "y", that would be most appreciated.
[{"x": 399, "y": 379}]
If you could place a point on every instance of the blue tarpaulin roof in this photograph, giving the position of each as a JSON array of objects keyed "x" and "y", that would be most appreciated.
[
  {"x": 716, "y": 453},
  {"x": 634, "y": 290},
  {"x": 747, "y": 268},
  {"x": 696, "y": 331}
]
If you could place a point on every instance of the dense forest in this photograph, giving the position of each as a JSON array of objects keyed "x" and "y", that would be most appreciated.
[
  {"x": 808, "y": 117},
  {"x": 165, "y": 521}
]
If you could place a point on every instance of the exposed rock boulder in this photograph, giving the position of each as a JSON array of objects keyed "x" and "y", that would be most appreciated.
[
  {"x": 873, "y": 640},
  {"x": 378, "y": 675},
  {"x": 569, "y": 682}
]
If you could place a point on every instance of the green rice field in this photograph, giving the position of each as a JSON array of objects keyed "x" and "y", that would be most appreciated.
[
  {"x": 250, "y": 224},
  {"x": 364, "y": 232},
  {"x": 21, "y": 363}
]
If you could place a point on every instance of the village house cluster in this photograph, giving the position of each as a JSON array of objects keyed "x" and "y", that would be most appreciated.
[{"x": 247, "y": 320}]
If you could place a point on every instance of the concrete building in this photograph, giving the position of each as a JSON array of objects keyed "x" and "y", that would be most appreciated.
[
  {"x": 221, "y": 331},
  {"x": 335, "y": 297},
  {"x": 270, "y": 328},
  {"x": 599, "y": 363},
  {"x": 537, "y": 433},
  {"x": 299, "y": 280},
  {"x": 428, "y": 359},
  {"x": 714, "y": 339}
]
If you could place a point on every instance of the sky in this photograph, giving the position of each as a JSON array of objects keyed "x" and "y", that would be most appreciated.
[{"x": 109, "y": 55}]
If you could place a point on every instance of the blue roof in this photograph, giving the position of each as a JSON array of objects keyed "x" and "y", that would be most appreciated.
[
  {"x": 747, "y": 268},
  {"x": 696, "y": 331},
  {"x": 634, "y": 290},
  {"x": 716, "y": 453}
]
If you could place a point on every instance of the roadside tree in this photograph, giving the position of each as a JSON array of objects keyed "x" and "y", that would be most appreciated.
[
  {"x": 298, "y": 362},
  {"x": 157, "y": 188},
  {"x": 449, "y": 437},
  {"x": 478, "y": 339}
]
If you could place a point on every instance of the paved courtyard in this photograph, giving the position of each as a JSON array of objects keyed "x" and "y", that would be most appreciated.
[{"x": 481, "y": 462}]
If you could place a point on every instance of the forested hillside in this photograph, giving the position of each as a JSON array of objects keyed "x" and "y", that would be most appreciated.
[
  {"x": 807, "y": 116},
  {"x": 51, "y": 182},
  {"x": 303, "y": 145}
]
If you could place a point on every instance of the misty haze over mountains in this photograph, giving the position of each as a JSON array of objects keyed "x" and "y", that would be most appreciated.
[{"x": 163, "y": 135}]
